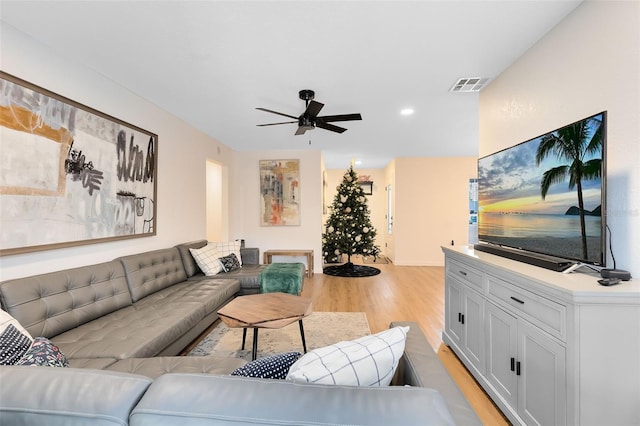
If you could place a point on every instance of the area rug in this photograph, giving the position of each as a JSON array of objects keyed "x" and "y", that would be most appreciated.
[{"x": 320, "y": 329}]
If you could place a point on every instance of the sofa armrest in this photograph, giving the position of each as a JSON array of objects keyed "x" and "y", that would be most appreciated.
[
  {"x": 250, "y": 256},
  {"x": 420, "y": 366},
  {"x": 68, "y": 396}
]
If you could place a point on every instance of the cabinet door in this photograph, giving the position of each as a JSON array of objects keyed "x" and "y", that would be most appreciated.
[
  {"x": 473, "y": 328},
  {"x": 541, "y": 385},
  {"x": 453, "y": 300},
  {"x": 502, "y": 347}
]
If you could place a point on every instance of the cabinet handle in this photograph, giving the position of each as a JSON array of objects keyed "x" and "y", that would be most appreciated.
[
  {"x": 518, "y": 368},
  {"x": 463, "y": 273},
  {"x": 513, "y": 364},
  {"x": 462, "y": 319},
  {"x": 517, "y": 300},
  {"x": 459, "y": 316}
]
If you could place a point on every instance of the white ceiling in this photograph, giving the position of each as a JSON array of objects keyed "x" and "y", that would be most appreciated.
[{"x": 212, "y": 63}]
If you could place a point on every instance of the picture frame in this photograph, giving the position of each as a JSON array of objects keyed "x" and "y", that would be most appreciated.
[
  {"x": 70, "y": 174},
  {"x": 279, "y": 192},
  {"x": 367, "y": 187}
]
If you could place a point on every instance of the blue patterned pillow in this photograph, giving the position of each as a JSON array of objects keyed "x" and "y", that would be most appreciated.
[
  {"x": 229, "y": 263},
  {"x": 43, "y": 353},
  {"x": 13, "y": 344},
  {"x": 269, "y": 367}
]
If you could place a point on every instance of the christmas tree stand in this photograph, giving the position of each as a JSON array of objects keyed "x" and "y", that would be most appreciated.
[{"x": 351, "y": 270}]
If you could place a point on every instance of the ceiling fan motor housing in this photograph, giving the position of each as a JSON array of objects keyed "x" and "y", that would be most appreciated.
[
  {"x": 307, "y": 95},
  {"x": 306, "y": 122}
]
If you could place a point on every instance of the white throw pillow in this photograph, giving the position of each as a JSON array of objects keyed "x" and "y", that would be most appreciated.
[
  {"x": 6, "y": 319},
  {"x": 367, "y": 361},
  {"x": 207, "y": 259},
  {"x": 226, "y": 248}
]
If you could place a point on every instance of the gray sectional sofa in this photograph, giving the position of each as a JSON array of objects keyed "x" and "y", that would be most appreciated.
[
  {"x": 121, "y": 323},
  {"x": 134, "y": 307}
]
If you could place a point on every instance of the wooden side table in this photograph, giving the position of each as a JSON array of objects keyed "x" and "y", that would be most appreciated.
[{"x": 267, "y": 257}]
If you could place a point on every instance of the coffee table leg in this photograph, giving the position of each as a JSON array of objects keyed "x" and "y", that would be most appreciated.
[
  {"x": 304, "y": 343},
  {"x": 255, "y": 344},
  {"x": 244, "y": 336}
]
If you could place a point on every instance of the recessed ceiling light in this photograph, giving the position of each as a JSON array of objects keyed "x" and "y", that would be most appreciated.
[
  {"x": 406, "y": 111},
  {"x": 358, "y": 162}
]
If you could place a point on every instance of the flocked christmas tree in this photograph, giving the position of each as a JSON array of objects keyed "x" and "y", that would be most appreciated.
[{"x": 348, "y": 230}]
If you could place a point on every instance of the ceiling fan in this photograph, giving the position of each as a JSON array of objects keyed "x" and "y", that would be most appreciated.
[{"x": 309, "y": 119}]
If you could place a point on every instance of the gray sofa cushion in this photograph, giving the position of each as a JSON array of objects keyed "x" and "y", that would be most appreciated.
[
  {"x": 152, "y": 271},
  {"x": 230, "y": 400},
  {"x": 190, "y": 265},
  {"x": 156, "y": 367},
  {"x": 248, "y": 275},
  {"x": 50, "y": 304},
  {"x": 147, "y": 327},
  {"x": 67, "y": 396},
  {"x": 93, "y": 363}
]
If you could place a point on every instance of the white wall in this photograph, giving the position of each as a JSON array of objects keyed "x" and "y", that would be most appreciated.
[
  {"x": 431, "y": 207},
  {"x": 244, "y": 221},
  {"x": 182, "y": 155},
  {"x": 589, "y": 63}
]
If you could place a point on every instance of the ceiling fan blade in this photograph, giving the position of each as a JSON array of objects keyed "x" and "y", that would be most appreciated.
[
  {"x": 330, "y": 127},
  {"x": 313, "y": 109},
  {"x": 341, "y": 117},
  {"x": 276, "y": 112},
  {"x": 275, "y": 124},
  {"x": 302, "y": 129}
]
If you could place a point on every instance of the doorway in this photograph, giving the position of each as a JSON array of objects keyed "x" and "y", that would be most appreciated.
[{"x": 217, "y": 223}]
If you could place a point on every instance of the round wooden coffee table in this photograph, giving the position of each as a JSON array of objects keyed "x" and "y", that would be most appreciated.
[{"x": 266, "y": 310}]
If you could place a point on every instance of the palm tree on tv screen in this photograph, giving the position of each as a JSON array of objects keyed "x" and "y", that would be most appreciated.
[{"x": 572, "y": 144}]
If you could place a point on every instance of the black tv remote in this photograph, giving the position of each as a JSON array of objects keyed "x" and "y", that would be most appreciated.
[{"x": 609, "y": 281}]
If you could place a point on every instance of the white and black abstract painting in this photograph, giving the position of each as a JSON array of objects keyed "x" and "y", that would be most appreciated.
[{"x": 70, "y": 175}]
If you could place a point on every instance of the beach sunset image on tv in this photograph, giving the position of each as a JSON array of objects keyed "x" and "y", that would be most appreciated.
[{"x": 545, "y": 195}]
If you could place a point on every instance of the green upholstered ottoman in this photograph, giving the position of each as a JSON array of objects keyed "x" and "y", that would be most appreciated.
[{"x": 282, "y": 277}]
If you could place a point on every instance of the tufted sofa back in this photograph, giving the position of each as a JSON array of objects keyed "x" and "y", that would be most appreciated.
[
  {"x": 50, "y": 304},
  {"x": 152, "y": 271},
  {"x": 190, "y": 265}
]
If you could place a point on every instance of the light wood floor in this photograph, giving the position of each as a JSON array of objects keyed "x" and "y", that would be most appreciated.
[{"x": 402, "y": 293}]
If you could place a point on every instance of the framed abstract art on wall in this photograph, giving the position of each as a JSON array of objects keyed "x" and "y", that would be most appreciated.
[
  {"x": 70, "y": 175},
  {"x": 279, "y": 192}
]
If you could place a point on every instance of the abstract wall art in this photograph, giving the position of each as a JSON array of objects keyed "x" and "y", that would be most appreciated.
[
  {"x": 70, "y": 175},
  {"x": 279, "y": 192}
]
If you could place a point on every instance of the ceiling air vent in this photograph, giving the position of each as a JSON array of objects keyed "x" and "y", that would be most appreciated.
[{"x": 469, "y": 84}]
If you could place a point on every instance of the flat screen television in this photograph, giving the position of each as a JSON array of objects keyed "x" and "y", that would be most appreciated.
[{"x": 543, "y": 201}]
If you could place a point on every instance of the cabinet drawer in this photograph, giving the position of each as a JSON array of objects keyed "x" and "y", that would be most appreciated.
[
  {"x": 466, "y": 274},
  {"x": 546, "y": 314}
]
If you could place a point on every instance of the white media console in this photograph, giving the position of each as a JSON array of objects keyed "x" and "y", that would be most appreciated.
[{"x": 549, "y": 348}]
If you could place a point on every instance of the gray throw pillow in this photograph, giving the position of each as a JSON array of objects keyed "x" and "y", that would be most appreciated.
[{"x": 229, "y": 263}]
